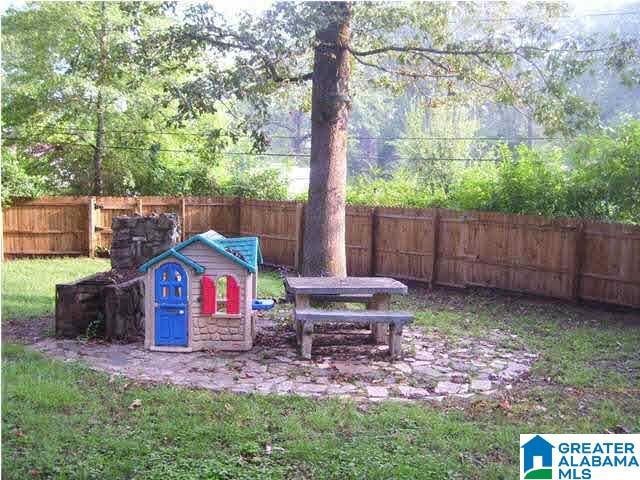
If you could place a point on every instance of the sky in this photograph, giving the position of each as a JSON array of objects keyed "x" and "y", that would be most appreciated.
[
  {"x": 231, "y": 7},
  {"x": 228, "y": 6},
  {"x": 580, "y": 6}
]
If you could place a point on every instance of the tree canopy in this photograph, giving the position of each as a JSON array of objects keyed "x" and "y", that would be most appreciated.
[
  {"x": 77, "y": 83},
  {"x": 445, "y": 49}
]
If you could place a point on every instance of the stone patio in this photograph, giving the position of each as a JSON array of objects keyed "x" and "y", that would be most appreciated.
[{"x": 344, "y": 363}]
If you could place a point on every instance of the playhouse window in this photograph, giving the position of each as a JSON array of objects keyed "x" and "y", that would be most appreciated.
[
  {"x": 221, "y": 291},
  {"x": 223, "y": 296},
  {"x": 228, "y": 295}
]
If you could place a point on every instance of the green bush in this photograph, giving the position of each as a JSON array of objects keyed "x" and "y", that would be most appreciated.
[
  {"x": 475, "y": 188},
  {"x": 604, "y": 181},
  {"x": 401, "y": 190},
  {"x": 267, "y": 184},
  {"x": 597, "y": 176},
  {"x": 525, "y": 181}
]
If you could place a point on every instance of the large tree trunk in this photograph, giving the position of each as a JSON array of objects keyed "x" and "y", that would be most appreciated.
[{"x": 324, "y": 233}]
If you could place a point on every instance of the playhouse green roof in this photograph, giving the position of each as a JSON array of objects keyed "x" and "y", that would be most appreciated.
[{"x": 244, "y": 251}]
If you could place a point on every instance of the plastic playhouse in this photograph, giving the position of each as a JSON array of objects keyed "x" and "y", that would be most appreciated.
[{"x": 201, "y": 294}]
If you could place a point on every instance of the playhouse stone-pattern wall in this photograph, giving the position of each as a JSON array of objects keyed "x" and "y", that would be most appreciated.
[{"x": 137, "y": 239}]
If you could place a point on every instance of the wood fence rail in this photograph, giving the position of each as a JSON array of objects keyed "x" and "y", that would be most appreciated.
[{"x": 562, "y": 258}]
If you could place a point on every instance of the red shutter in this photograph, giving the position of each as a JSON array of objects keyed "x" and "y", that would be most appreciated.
[
  {"x": 233, "y": 295},
  {"x": 207, "y": 295}
]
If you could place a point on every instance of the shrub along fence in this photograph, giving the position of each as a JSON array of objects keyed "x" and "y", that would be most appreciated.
[{"x": 562, "y": 258}]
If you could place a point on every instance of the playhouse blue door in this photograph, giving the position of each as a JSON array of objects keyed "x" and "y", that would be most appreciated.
[{"x": 171, "y": 305}]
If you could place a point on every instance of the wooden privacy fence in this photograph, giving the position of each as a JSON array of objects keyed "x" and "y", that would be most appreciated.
[{"x": 562, "y": 258}]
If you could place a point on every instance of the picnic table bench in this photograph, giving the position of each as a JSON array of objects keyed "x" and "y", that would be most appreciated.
[{"x": 374, "y": 292}]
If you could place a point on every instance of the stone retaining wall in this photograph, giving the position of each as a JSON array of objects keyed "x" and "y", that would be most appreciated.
[
  {"x": 118, "y": 307},
  {"x": 101, "y": 298},
  {"x": 137, "y": 239},
  {"x": 124, "y": 310},
  {"x": 78, "y": 304}
]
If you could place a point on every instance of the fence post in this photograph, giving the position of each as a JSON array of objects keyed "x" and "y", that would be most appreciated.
[
  {"x": 91, "y": 227},
  {"x": 183, "y": 217},
  {"x": 139, "y": 205},
  {"x": 373, "y": 266},
  {"x": 434, "y": 246},
  {"x": 576, "y": 268},
  {"x": 299, "y": 236}
]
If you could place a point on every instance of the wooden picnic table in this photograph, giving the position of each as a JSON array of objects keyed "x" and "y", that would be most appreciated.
[{"x": 375, "y": 292}]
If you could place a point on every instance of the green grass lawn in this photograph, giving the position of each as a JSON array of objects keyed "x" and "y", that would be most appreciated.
[
  {"x": 270, "y": 285},
  {"x": 62, "y": 420},
  {"x": 28, "y": 286}
]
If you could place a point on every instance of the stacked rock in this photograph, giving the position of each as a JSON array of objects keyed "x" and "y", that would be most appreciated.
[{"x": 137, "y": 239}]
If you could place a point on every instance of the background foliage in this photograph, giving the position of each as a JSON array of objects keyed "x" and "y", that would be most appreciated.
[{"x": 595, "y": 176}]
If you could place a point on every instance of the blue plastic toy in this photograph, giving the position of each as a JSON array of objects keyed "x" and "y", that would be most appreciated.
[{"x": 263, "y": 304}]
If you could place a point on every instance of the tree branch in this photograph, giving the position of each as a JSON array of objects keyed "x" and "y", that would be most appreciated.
[
  {"x": 276, "y": 77},
  {"x": 541, "y": 74},
  {"x": 403, "y": 73},
  {"x": 436, "y": 51},
  {"x": 505, "y": 81}
]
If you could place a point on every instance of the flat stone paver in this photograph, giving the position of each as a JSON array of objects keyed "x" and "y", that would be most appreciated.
[
  {"x": 345, "y": 365},
  {"x": 413, "y": 392},
  {"x": 377, "y": 392},
  {"x": 451, "y": 388},
  {"x": 481, "y": 385}
]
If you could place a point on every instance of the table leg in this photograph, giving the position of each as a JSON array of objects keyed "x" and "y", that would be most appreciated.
[
  {"x": 380, "y": 301},
  {"x": 395, "y": 341},
  {"x": 306, "y": 333},
  {"x": 301, "y": 302}
]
